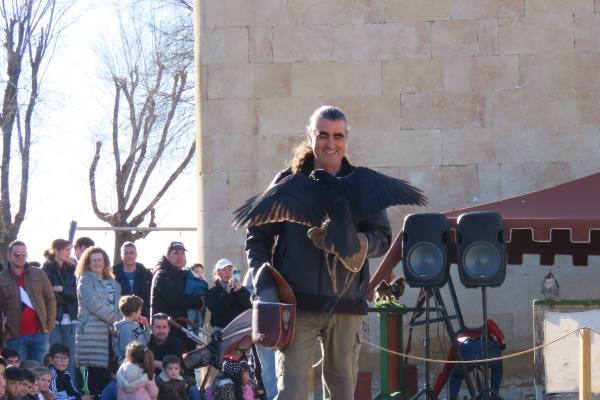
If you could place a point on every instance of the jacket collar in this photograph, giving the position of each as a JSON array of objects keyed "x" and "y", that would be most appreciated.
[{"x": 309, "y": 162}]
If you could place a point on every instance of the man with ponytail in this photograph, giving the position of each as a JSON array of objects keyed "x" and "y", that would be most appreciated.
[{"x": 331, "y": 299}]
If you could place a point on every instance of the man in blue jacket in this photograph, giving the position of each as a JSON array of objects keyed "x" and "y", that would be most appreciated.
[{"x": 331, "y": 299}]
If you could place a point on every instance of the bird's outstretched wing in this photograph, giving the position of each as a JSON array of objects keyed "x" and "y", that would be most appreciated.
[
  {"x": 369, "y": 191},
  {"x": 295, "y": 198}
]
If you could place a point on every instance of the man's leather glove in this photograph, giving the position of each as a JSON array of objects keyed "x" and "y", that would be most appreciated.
[{"x": 353, "y": 263}]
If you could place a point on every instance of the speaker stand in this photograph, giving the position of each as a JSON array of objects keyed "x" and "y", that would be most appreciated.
[
  {"x": 426, "y": 391},
  {"x": 486, "y": 393},
  {"x": 452, "y": 333}
]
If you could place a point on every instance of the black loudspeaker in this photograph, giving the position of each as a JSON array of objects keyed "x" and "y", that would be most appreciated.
[
  {"x": 481, "y": 249},
  {"x": 425, "y": 250}
]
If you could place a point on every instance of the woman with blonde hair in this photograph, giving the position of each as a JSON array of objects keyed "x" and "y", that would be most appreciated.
[
  {"x": 98, "y": 294},
  {"x": 61, "y": 272}
]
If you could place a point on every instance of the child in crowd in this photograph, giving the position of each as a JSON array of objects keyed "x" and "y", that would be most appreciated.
[
  {"x": 11, "y": 356},
  {"x": 14, "y": 383},
  {"x": 135, "y": 377},
  {"x": 133, "y": 327},
  {"x": 43, "y": 377},
  {"x": 171, "y": 385},
  {"x": 3, "y": 365},
  {"x": 61, "y": 383},
  {"x": 2, "y": 386},
  {"x": 234, "y": 383},
  {"x": 195, "y": 285},
  {"x": 29, "y": 388}
]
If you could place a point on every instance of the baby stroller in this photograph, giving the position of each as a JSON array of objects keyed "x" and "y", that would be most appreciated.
[{"x": 234, "y": 342}]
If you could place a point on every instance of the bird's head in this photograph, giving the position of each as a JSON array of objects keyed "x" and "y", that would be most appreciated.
[{"x": 320, "y": 175}]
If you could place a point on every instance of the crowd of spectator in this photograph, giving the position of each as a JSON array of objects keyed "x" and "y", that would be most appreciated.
[{"x": 82, "y": 328}]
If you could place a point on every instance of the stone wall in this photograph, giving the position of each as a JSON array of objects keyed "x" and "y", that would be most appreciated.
[{"x": 472, "y": 100}]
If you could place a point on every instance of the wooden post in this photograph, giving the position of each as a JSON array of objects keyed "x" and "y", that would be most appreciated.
[{"x": 585, "y": 364}]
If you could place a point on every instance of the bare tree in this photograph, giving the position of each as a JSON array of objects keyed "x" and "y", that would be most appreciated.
[
  {"x": 151, "y": 137},
  {"x": 29, "y": 33}
]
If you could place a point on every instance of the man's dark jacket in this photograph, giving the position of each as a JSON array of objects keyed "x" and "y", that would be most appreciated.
[
  {"x": 141, "y": 285},
  {"x": 167, "y": 294},
  {"x": 224, "y": 307},
  {"x": 305, "y": 267},
  {"x": 66, "y": 301}
]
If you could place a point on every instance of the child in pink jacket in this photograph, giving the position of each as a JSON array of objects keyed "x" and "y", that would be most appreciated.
[{"x": 135, "y": 377}]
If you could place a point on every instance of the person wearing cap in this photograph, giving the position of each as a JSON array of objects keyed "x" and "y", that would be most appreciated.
[
  {"x": 168, "y": 283},
  {"x": 228, "y": 298}
]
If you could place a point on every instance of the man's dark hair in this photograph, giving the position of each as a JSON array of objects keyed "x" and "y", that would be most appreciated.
[
  {"x": 28, "y": 376},
  {"x": 130, "y": 304},
  {"x": 171, "y": 359},
  {"x": 84, "y": 241},
  {"x": 13, "y": 373},
  {"x": 8, "y": 353},
  {"x": 58, "y": 348},
  {"x": 159, "y": 316},
  {"x": 15, "y": 243}
]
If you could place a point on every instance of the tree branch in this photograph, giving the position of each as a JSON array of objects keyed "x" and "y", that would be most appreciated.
[{"x": 106, "y": 217}]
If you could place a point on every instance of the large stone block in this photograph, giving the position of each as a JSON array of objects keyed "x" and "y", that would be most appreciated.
[
  {"x": 464, "y": 74},
  {"x": 272, "y": 155},
  {"x": 410, "y": 76},
  {"x": 229, "y": 117},
  {"x": 417, "y": 10},
  {"x": 500, "y": 181},
  {"x": 484, "y": 145},
  {"x": 224, "y": 45},
  {"x": 395, "y": 148},
  {"x": 547, "y": 34},
  {"x": 285, "y": 115},
  {"x": 335, "y": 79},
  {"x": 260, "y": 45},
  {"x": 559, "y": 6},
  {"x": 587, "y": 32},
  {"x": 447, "y": 187},
  {"x": 471, "y": 9},
  {"x": 302, "y": 12},
  {"x": 214, "y": 192},
  {"x": 222, "y": 13},
  {"x": 270, "y": 12},
  {"x": 370, "y": 42},
  {"x": 303, "y": 43},
  {"x": 273, "y": 80},
  {"x": 588, "y": 106},
  {"x": 516, "y": 144},
  {"x": 230, "y": 81},
  {"x": 243, "y": 185},
  {"x": 369, "y": 112},
  {"x": 441, "y": 110},
  {"x": 553, "y": 71},
  {"x": 227, "y": 153},
  {"x": 464, "y": 38},
  {"x": 521, "y": 107}
]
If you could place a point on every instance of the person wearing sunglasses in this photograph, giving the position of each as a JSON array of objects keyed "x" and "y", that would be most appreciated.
[{"x": 28, "y": 304}]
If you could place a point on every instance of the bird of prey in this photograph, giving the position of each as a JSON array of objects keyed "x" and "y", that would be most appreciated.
[
  {"x": 390, "y": 292},
  {"x": 325, "y": 200},
  {"x": 550, "y": 287}
]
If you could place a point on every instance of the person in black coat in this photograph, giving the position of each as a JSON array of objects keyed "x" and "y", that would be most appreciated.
[
  {"x": 61, "y": 273},
  {"x": 168, "y": 283},
  {"x": 228, "y": 298},
  {"x": 133, "y": 277}
]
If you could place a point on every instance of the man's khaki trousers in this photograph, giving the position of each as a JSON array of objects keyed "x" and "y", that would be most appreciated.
[{"x": 340, "y": 347}]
